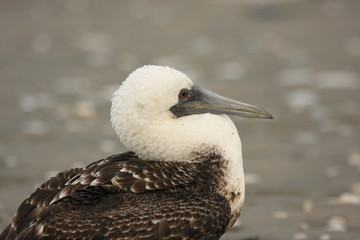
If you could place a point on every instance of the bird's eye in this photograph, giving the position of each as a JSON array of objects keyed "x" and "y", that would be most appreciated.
[{"x": 183, "y": 94}]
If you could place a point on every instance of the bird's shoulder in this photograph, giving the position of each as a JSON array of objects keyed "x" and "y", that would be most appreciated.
[{"x": 122, "y": 173}]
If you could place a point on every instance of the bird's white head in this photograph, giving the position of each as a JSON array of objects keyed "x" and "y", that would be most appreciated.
[
  {"x": 149, "y": 92},
  {"x": 161, "y": 115}
]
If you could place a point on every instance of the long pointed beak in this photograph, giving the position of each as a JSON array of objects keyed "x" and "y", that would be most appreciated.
[{"x": 201, "y": 100}]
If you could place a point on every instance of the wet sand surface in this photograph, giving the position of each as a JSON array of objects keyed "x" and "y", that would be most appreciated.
[{"x": 60, "y": 61}]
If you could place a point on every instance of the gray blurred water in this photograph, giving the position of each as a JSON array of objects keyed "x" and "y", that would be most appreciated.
[{"x": 60, "y": 61}]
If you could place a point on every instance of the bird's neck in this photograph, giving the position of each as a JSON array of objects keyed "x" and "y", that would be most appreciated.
[{"x": 176, "y": 139}]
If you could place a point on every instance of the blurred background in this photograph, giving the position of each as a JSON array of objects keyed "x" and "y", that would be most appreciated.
[{"x": 60, "y": 61}]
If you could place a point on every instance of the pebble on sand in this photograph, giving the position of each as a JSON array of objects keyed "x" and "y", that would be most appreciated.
[
  {"x": 32, "y": 102},
  {"x": 354, "y": 159},
  {"x": 346, "y": 198},
  {"x": 280, "y": 214},
  {"x": 336, "y": 224},
  {"x": 300, "y": 235},
  {"x": 84, "y": 109},
  {"x": 325, "y": 236},
  {"x": 308, "y": 206},
  {"x": 301, "y": 100}
]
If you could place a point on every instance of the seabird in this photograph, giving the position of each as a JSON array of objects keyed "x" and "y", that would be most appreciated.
[{"x": 182, "y": 179}]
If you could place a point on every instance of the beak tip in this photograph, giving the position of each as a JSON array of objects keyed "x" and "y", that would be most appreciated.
[{"x": 266, "y": 114}]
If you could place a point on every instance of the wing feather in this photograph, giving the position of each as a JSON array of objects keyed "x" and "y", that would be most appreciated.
[
  {"x": 124, "y": 197},
  {"x": 151, "y": 215}
]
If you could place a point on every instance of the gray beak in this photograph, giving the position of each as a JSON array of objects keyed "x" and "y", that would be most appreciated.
[{"x": 199, "y": 100}]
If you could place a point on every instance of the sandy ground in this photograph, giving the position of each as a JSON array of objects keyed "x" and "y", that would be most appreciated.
[{"x": 61, "y": 60}]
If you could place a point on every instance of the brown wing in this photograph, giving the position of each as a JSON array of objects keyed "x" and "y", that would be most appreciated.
[
  {"x": 151, "y": 215},
  {"x": 84, "y": 199}
]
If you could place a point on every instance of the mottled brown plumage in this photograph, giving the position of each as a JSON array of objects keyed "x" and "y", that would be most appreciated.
[{"x": 124, "y": 197}]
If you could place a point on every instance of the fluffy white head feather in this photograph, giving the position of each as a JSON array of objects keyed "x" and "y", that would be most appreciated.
[{"x": 141, "y": 118}]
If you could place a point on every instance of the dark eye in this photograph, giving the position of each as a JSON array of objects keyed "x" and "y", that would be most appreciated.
[{"x": 183, "y": 94}]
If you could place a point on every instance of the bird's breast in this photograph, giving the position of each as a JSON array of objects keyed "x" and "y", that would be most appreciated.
[
  {"x": 233, "y": 186},
  {"x": 235, "y": 198}
]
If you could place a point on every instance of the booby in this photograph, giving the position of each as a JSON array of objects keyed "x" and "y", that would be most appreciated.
[{"x": 181, "y": 179}]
